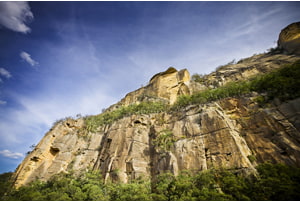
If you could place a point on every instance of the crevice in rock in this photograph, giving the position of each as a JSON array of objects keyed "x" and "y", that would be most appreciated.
[
  {"x": 130, "y": 171},
  {"x": 108, "y": 142},
  {"x": 138, "y": 122},
  {"x": 35, "y": 159},
  {"x": 54, "y": 151},
  {"x": 153, "y": 156}
]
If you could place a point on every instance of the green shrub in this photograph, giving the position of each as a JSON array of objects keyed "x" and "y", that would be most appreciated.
[
  {"x": 251, "y": 158},
  {"x": 165, "y": 140},
  {"x": 282, "y": 83},
  {"x": 5, "y": 183},
  {"x": 276, "y": 182},
  {"x": 229, "y": 90},
  {"x": 198, "y": 78}
]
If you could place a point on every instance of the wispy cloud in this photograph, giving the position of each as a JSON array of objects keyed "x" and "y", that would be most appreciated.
[
  {"x": 14, "y": 15},
  {"x": 10, "y": 154},
  {"x": 5, "y": 73},
  {"x": 255, "y": 22},
  {"x": 2, "y": 102},
  {"x": 27, "y": 57}
]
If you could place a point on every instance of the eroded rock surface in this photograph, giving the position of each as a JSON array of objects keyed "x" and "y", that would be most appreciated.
[{"x": 289, "y": 39}]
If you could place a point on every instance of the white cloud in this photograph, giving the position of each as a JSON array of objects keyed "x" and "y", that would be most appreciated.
[
  {"x": 27, "y": 57},
  {"x": 12, "y": 155},
  {"x": 5, "y": 73},
  {"x": 2, "y": 102},
  {"x": 14, "y": 15}
]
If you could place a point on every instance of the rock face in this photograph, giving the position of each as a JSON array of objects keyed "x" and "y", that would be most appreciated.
[
  {"x": 167, "y": 86},
  {"x": 289, "y": 39},
  {"x": 233, "y": 133}
]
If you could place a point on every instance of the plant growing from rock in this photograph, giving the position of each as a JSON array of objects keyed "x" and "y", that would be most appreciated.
[{"x": 164, "y": 140}]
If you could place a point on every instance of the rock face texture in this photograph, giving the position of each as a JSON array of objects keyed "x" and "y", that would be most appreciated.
[
  {"x": 233, "y": 133},
  {"x": 289, "y": 39},
  {"x": 166, "y": 86}
]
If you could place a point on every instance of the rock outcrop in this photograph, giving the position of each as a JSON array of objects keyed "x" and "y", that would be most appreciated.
[
  {"x": 289, "y": 39},
  {"x": 232, "y": 133},
  {"x": 166, "y": 86}
]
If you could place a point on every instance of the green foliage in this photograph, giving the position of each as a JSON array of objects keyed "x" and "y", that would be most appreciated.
[
  {"x": 282, "y": 83},
  {"x": 208, "y": 188},
  {"x": 274, "y": 182},
  {"x": 5, "y": 183},
  {"x": 187, "y": 186},
  {"x": 165, "y": 140},
  {"x": 229, "y": 90},
  {"x": 234, "y": 185},
  {"x": 93, "y": 122},
  {"x": 261, "y": 100},
  {"x": 251, "y": 158},
  {"x": 277, "y": 182},
  {"x": 198, "y": 78},
  {"x": 62, "y": 187},
  {"x": 137, "y": 190}
]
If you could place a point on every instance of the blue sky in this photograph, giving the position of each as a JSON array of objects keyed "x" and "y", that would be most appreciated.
[{"x": 60, "y": 59}]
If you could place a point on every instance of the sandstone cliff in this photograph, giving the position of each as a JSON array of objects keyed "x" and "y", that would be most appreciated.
[{"x": 235, "y": 133}]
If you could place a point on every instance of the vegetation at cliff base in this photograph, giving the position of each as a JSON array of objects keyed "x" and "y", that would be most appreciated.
[
  {"x": 274, "y": 182},
  {"x": 5, "y": 184}
]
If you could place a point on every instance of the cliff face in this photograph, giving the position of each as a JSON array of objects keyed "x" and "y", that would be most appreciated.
[{"x": 235, "y": 133}]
